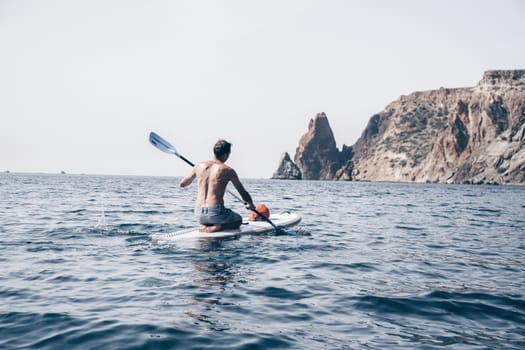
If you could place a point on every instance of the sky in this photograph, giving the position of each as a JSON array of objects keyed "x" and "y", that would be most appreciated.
[{"x": 82, "y": 83}]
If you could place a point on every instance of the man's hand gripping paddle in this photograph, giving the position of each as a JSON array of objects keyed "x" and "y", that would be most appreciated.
[{"x": 166, "y": 147}]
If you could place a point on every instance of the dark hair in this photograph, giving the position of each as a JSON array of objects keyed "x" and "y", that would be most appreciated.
[{"x": 221, "y": 148}]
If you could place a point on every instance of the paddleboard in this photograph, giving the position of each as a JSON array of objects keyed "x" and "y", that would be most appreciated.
[{"x": 247, "y": 227}]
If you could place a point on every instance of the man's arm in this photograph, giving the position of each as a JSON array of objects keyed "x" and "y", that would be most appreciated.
[
  {"x": 240, "y": 188},
  {"x": 188, "y": 179}
]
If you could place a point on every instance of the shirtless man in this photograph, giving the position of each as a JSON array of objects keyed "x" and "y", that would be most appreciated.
[{"x": 212, "y": 178}]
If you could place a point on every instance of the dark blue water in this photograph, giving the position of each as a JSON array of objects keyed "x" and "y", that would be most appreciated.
[{"x": 371, "y": 266}]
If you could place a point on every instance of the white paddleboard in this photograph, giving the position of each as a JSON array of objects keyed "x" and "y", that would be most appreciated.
[{"x": 247, "y": 227}]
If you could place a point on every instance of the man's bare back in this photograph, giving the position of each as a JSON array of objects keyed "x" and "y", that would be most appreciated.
[{"x": 212, "y": 178}]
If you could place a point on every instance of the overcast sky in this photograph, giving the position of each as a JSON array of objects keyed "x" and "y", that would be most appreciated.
[{"x": 82, "y": 83}]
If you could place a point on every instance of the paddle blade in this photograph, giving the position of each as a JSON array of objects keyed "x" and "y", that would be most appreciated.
[
  {"x": 162, "y": 144},
  {"x": 280, "y": 230}
]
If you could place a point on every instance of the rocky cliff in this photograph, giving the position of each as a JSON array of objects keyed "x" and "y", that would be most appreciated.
[{"x": 462, "y": 135}]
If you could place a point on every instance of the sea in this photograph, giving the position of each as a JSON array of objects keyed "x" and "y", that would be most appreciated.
[{"x": 370, "y": 266}]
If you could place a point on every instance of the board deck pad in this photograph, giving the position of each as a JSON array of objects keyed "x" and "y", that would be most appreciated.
[{"x": 248, "y": 227}]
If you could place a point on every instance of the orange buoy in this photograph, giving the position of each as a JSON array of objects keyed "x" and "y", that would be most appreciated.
[{"x": 262, "y": 209}]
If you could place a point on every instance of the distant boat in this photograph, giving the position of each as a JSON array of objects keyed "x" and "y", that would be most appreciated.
[
  {"x": 62, "y": 172},
  {"x": 7, "y": 171}
]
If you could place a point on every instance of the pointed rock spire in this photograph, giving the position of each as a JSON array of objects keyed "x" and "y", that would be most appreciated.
[{"x": 287, "y": 169}]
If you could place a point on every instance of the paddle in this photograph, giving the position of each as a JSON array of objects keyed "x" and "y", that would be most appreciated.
[{"x": 166, "y": 147}]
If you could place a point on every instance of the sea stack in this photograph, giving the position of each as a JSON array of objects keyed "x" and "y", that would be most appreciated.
[{"x": 287, "y": 170}]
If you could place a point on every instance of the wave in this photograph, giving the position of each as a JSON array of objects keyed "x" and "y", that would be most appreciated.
[
  {"x": 61, "y": 331},
  {"x": 446, "y": 306},
  {"x": 51, "y": 331}
]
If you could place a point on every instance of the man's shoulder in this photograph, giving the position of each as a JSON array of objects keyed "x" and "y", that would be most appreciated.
[
  {"x": 226, "y": 168},
  {"x": 208, "y": 163},
  {"x": 219, "y": 166}
]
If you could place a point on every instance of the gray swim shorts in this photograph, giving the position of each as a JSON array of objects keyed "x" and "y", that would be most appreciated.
[{"x": 217, "y": 214}]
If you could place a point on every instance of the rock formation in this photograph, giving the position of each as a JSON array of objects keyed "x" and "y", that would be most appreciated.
[
  {"x": 287, "y": 169},
  {"x": 462, "y": 135},
  {"x": 317, "y": 156}
]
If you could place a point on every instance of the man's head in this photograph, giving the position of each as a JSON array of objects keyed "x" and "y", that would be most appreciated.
[{"x": 222, "y": 149}]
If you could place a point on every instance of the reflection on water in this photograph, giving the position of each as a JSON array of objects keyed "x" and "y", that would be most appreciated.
[{"x": 215, "y": 275}]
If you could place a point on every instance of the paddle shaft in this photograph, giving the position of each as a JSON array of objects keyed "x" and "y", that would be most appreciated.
[{"x": 184, "y": 159}]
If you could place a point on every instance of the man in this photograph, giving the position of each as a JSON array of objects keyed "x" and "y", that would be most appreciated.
[{"x": 212, "y": 178}]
